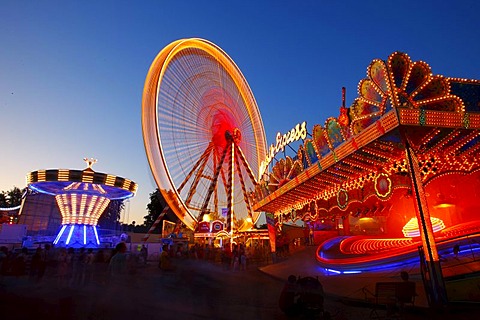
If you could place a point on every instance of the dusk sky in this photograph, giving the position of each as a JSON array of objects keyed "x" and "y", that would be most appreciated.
[{"x": 72, "y": 72}]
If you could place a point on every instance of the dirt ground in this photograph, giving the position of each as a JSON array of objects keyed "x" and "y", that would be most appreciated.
[{"x": 196, "y": 289}]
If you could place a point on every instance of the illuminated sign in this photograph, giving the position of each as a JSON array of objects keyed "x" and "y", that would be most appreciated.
[
  {"x": 297, "y": 133},
  {"x": 217, "y": 226},
  {"x": 204, "y": 226}
]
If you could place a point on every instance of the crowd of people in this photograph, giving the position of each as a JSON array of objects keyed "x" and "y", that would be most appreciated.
[
  {"x": 69, "y": 266},
  {"x": 73, "y": 267},
  {"x": 233, "y": 257}
]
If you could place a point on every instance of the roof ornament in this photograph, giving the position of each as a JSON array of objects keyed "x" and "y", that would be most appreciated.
[{"x": 90, "y": 162}]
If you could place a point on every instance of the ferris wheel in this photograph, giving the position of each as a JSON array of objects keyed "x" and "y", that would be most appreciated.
[{"x": 203, "y": 134}]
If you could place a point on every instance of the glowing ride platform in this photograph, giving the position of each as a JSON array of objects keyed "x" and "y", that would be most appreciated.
[
  {"x": 407, "y": 148},
  {"x": 82, "y": 196}
]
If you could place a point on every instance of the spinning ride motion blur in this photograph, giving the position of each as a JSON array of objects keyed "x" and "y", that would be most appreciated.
[
  {"x": 203, "y": 134},
  {"x": 82, "y": 196}
]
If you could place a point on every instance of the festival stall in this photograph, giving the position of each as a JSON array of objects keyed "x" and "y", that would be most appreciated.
[{"x": 396, "y": 170}]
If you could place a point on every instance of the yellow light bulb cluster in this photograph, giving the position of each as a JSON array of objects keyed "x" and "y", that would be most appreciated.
[{"x": 77, "y": 208}]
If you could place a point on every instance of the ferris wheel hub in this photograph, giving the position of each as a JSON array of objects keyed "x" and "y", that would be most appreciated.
[{"x": 235, "y": 136}]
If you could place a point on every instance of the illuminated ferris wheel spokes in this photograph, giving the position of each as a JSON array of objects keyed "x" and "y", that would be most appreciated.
[
  {"x": 233, "y": 165},
  {"x": 203, "y": 132},
  {"x": 197, "y": 173}
]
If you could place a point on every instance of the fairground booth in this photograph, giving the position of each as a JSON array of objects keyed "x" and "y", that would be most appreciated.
[{"x": 395, "y": 175}]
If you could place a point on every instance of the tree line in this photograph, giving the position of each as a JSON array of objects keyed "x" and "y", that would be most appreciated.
[{"x": 11, "y": 198}]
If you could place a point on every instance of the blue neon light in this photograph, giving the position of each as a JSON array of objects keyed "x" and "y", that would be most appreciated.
[
  {"x": 96, "y": 234},
  {"x": 60, "y": 234},
  {"x": 84, "y": 234},
  {"x": 70, "y": 234},
  {"x": 41, "y": 190},
  {"x": 343, "y": 272},
  {"x": 333, "y": 271}
]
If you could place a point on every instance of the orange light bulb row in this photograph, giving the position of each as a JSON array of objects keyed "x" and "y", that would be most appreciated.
[
  {"x": 428, "y": 137},
  {"x": 451, "y": 165},
  {"x": 370, "y": 246},
  {"x": 465, "y": 80},
  {"x": 42, "y": 175},
  {"x": 462, "y": 142},
  {"x": 63, "y": 175},
  {"x": 429, "y": 80},
  {"x": 438, "y": 165},
  {"x": 417, "y": 65}
]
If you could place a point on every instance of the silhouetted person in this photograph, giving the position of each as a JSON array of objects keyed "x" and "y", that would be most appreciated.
[
  {"x": 144, "y": 253},
  {"x": 405, "y": 291},
  {"x": 456, "y": 250},
  {"x": 62, "y": 267},
  {"x": 89, "y": 266},
  {"x": 79, "y": 267},
  {"x": 287, "y": 302},
  {"x": 38, "y": 265},
  {"x": 3, "y": 260},
  {"x": 165, "y": 264},
  {"x": 118, "y": 262}
]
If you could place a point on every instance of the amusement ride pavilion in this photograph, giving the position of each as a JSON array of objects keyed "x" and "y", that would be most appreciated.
[
  {"x": 81, "y": 196},
  {"x": 396, "y": 170}
]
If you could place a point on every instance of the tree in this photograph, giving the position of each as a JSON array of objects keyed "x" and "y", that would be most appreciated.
[
  {"x": 111, "y": 216},
  {"x": 3, "y": 200},
  {"x": 154, "y": 207},
  {"x": 15, "y": 196},
  {"x": 11, "y": 198}
]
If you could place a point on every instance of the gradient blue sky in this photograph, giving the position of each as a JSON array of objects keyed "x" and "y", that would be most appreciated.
[{"x": 72, "y": 72}]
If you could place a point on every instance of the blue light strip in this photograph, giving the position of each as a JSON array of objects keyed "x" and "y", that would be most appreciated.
[
  {"x": 70, "y": 234},
  {"x": 60, "y": 234},
  {"x": 333, "y": 271},
  {"x": 343, "y": 272},
  {"x": 10, "y": 209},
  {"x": 96, "y": 234},
  {"x": 41, "y": 191},
  {"x": 84, "y": 234}
]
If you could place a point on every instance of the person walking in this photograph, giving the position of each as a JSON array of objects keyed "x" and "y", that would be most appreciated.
[
  {"x": 89, "y": 266},
  {"x": 37, "y": 267},
  {"x": 144, "y": 253},
  {"x": 118, "y": 263},
  {"x": 165, "y": 264}
]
